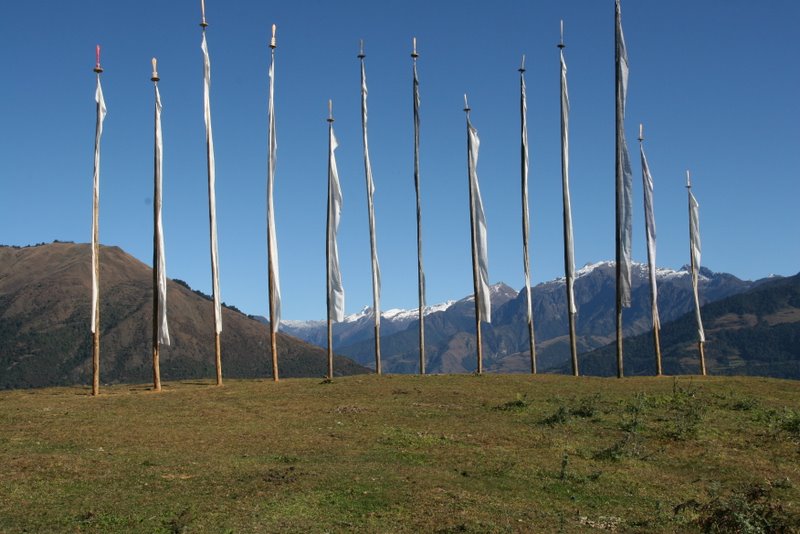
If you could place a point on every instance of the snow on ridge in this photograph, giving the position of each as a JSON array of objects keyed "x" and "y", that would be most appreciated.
[
  {"x": 501, "y": 287},
  {"x": 300, "y": 324},
  {"x": 398, "y": 314},
  {"x": 591, "y": 267},
  {"x": 662, "y": 273}
]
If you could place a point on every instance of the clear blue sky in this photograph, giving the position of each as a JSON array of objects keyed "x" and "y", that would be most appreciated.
[{"x": 715, "y": 82}]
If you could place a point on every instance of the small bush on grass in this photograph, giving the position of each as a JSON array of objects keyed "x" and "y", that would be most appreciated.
[
  {"x": 751, "y": 510},
  {"x": 520, "y": 403},
  {"x": 685, "y": 410}
]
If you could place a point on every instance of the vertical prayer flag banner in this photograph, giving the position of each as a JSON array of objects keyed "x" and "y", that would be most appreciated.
[
  {"x": 335, "y": 287},
  {"x": 420, "y": 269},
  {"x": 101, "y": 116},
  {"x": 376, "y": 270},
  {"x": 624, "y": 171},
  {"x": 161, "y": 263},
  {"x": 569, "y": 253},
  {"x": 478, "y": 220},
  {"x": 524, "y": 174},
  {"x": 694, "y": 240},
  {"x": 650, "y": 230},
  {"x": 212, "y": 196},
  {"x": 272, "y": 238}
]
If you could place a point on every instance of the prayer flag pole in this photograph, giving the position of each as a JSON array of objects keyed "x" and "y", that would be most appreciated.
[
  {"x": 525, "y": 217},
  {"x": 694, "y": 256},
  {"x": 101, "y": 114},
  {"x": 376, "y": 271},
  {"x": 212, "y": 199},
  {"x": 420, "y": 271},
  {"x": 272, "y": 242},
  {"x": 624, "y": 184},
  {"x": 477, "y": 219},
  {"x": 650, "y": 231},
  {"x": 160, "y": 328},
  {"x": 335, "y": 294},
  {"x": 569, "y": 253}
]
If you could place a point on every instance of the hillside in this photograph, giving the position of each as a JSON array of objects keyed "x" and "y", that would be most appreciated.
[
  {"x": 45, "y": 336},
  {"x": 457, "y": 453},
  {"x": 753, "y": 333}
]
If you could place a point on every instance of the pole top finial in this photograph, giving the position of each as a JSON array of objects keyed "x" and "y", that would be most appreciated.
[
  {"x": 97, "y": 68},
  {"x": 414, "y": 48},
  {"x": 561, "y": 42},
  {"x": 273, "y": 43},
  {"x": 522, "y": 65},
  {"x": 688, "y": 180},
  {"x": 361, "y": 54},
  {"x": 466, "y": 104},
  {"x": 330, "y": 111},
  {"x": 203, "y": 22},
  {"x": 641, "y": 132},
  {"x": 155, "y": 77}
]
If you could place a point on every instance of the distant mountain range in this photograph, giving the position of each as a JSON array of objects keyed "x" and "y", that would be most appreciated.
[
  {"x": 449, "y": 328},
  {"x": 752, "y": 327},
  {"x": 45, "y": 337},
  {"x": 753, "y": 333}
]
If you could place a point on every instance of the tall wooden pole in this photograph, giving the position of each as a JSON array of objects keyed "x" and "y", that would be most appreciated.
[
  {"x": 273, "y": 324},
  {"x": 473, "y": 239},
  {"x": 371, "y": 216},
  {"x": 420, "y": 272},
  {"x": 156, "y": 209},
  {"x": 619, "y": 199},
  {"x": 657, "y": 344},
  {"x": 212, "y": 216},
  {"x": 525, "y": 216},
  {"x": 569, "y": 262},
  {"x": 700, "y": 344},
  {"x": 96, "y": 241},
  {"x": 651, "y": 260},
  {"x": 328, "y": 245}
]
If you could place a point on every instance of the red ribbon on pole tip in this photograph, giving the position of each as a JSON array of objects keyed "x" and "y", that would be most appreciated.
[{"x": 97, "y": 54}]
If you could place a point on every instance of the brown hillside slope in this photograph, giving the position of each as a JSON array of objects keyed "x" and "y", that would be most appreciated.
[{"x": 45, "y": 337}]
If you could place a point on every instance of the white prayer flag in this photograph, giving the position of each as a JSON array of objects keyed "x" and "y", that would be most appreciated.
[
  {"x": 335, "y": 287},
  {"x": 376, "y": 270},
  {"x": 525, "y": 215},
  {"x": 694, "y": 240},
  {"x": 480, "y": 245},
  {"x": 624, "y": 171},
  {"x": 212, "y": 196},
  {"x": 101, "y": 115},
  {"x": 420, "y": 269},
  {"x": 272, "y": 242},
  {"x": 569, "y": 254},
  {"x": 160, "y": 260},
  {"x": 650, "y": 230}
]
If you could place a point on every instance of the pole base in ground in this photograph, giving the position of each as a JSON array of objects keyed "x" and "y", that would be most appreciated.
[
  {"x": 701, "y": 349},
  {"x": 330, "y": 349},
  {"x": 218, "y": 357},
  {"x": 96, "y": 363},
  {"x": 532, "y": 348},
  {"x": 620, "y": 372},
  {"x": 274, "y": 348},
  {"x": 573, "y": 345},
  {"x": 657, "y": 342},
  {"x": 156, "y": 370},
  {"x": 377, "y": 348},
  {"x": 479, "y": 342}
]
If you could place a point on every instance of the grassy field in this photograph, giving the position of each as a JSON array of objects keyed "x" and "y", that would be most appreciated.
[{"x": 405, "y": 454}]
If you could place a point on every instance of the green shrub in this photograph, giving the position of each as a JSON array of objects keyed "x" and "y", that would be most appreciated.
[{"x": 751, "y": 510}]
